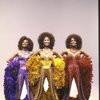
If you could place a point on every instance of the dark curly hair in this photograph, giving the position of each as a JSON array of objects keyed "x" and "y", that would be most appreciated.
[
  {"x": 30, "y": 44},
  {"x": 41, "y": 38},
  {"x": 77, "y": 38}
]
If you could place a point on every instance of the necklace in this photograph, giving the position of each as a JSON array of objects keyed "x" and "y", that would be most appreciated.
[
  {"x": 46, "y": 51},
  {"x": 25, "y": 52},
  {"x": 74, "y": 53}
]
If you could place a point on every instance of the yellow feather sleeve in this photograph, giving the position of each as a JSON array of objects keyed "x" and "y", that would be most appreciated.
[
  {"x": 33, "y": 66},
  {"x": 59, "y": 72}
]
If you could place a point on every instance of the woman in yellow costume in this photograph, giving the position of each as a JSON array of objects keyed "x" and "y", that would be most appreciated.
[{"x": 46, "y": 71}]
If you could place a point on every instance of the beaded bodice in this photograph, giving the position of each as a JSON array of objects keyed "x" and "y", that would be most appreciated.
[{"x": 46, "y": 59}]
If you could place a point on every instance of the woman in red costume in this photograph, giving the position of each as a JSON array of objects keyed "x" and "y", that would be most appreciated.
[{"x": 79, "y": 67}]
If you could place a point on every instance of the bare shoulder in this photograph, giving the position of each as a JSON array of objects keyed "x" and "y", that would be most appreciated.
[
  {"x": 18, "y": 52},
  {"x": 31, "y": 52},
  {"x": 37, "y": 51},
  {"x": 57, "y": 54},
  {"x": 64, "y": 51},
  {"x": 85, "y": 53}
]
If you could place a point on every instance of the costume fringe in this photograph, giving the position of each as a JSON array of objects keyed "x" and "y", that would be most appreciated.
[
  {"x": 10, "y": 78},
  {"x": 86, "y": 75},
  {"x": 85, "y": 65}
]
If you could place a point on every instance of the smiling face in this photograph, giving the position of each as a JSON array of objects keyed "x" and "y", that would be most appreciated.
[
  {"x": 73, "y": 42},
  {"x": 25, "y": 43},
  {"x": 46, "y": 41}
]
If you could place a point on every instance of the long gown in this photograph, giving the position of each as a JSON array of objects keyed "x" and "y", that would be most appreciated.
[
  {"x": 80, "y": 68},
  {"x": 10, "y": 79},
  {"x": 48, "y": 68}
]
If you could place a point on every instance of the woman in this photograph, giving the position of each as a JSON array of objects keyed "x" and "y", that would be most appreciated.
[
  {"x": 46, "y": 67},
  {"x": 16, "y": 72},
  {"x": 78, "y": 67}
]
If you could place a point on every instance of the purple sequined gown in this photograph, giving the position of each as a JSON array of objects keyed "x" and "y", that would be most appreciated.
[{"x": 15, "y": 74}]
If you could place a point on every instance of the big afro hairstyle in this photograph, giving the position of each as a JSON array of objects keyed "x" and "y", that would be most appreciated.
[
  {"x": 30, "y": 44},
  {"x": 41, "y": 38},
  {"x": 77, "y": 38}
]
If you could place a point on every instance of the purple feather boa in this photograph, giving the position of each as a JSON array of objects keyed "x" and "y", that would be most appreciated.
[{"x": 10, "y": 78}]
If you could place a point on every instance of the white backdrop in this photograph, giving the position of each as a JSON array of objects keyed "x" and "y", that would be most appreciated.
[{"x": 60, "y": 17}]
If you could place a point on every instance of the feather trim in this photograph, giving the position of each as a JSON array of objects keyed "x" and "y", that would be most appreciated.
[{"x": 10, "y": 78}]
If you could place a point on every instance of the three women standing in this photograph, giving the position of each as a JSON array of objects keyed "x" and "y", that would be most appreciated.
[{"x": 47, "y": 74}]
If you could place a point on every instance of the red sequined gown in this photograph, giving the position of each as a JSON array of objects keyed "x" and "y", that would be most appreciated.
[{"x": 79, "y": 67}]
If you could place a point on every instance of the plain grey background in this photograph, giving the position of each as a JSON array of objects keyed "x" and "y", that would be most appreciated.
[{"x": 60, "y": 17}]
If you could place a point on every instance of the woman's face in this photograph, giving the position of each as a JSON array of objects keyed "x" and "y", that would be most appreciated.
[
  {"x": 25, "y": 43},
  {"x": 46, "y": 41},
  {"x": 73, "y": 42}
]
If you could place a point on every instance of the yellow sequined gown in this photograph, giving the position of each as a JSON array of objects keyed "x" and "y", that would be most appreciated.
[{"x": 42, "y": 68}]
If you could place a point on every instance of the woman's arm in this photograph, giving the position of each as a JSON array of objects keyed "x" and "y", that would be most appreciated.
[
  {"x": 31, "y": 53},
  {"x": 85, "y": 54},
  {"x": 64, "y": 53},
  {"x": 11, "y": 58},
  {"x": 37, "y": 53},
  {"x": 56, "y": 54}
]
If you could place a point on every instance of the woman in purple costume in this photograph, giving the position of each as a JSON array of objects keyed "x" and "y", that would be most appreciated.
[{"x": 16, "y": 70}]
